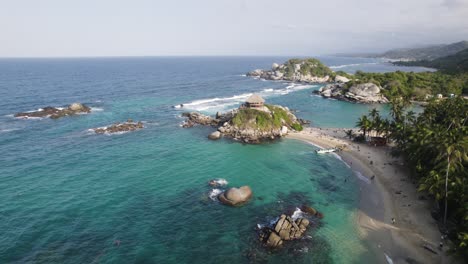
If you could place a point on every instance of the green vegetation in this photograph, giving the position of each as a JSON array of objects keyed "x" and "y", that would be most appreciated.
[
  {"x": 413, "y": 85},
  {"x": 426, "y": 53},
  {"x": 310, "y": 66},
  {"x": 435, "y": 145},
  {"x": 256, "y": 119},
  {"x": 453, "y": 64}
]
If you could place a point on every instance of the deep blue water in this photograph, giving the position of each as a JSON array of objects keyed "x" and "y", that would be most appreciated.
[{"x": 70, "y": 196}]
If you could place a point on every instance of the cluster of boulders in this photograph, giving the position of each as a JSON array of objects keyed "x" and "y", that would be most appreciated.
[
  {"x": 360, "y": 93},
  {"x": 248, "y": 133},
  {"x": 236, "y": 196},
  {"x": 54, "y": 113},
  {"x": 195, "y": 118},
  {"x": 119, "y": 127},
  {"x": 277, "y": 72},
  {"x": 285, "y": 229}
]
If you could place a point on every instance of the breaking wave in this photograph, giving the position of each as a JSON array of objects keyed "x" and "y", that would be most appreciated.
[
  {"x": 213, "y": 105},
  {"x": 214, "y": 194},
  {"x": 352, "y": 65}
]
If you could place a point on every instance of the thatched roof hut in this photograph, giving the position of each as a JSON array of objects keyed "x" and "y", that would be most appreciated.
[{"x": 255, "y": 100}]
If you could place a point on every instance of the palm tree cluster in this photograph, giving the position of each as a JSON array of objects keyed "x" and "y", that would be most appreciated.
[
  {"x": 374, "y": 125},
  {"x": 435, "y": 145}
]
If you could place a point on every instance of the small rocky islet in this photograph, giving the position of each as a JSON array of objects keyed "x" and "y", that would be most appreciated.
[
  {"x": 315, "y": 72},
  {"x": 253, "y": 122},
  {"x": 56, "y": 112},
  {"x": 118, "y": 127}
]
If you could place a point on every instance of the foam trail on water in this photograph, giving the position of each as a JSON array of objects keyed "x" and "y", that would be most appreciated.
[
  {"x": 351, "y": 65},
  {"x": 389, "y": 260},
  {"x": 212, "y": 105}
]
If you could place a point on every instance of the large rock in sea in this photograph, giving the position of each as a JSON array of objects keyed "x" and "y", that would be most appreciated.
[
  {"x": 54, "y": 112},
  {"x": 285, "y": 229},
  {"x": 236, "y": 196},
  {"x": 119, "y": 127},
  {"x": 215, "y": 135}
]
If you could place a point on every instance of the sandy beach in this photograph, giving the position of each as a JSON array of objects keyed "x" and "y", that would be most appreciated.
[{"x": 390, "y": 194}]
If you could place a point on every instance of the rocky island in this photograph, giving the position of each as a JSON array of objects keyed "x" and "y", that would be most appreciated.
[
  {"x": 340, "y": 85},
  {"x": 253, "y": 122},
  {"x": 54, "y": 112},
  {"x": 130, "y": 125},
  {"x": 297, "y": 70}
]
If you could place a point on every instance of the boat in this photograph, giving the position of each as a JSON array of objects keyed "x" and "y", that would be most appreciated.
[{"x": 330, "y": 150}]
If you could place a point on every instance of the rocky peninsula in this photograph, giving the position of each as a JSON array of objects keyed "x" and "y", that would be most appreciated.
[
  {"x": 55, "y": 112},
  {"x": 340, "y": 85},
  {"x": 253, "y": 122},
  {"x": 361, "y": 93}
]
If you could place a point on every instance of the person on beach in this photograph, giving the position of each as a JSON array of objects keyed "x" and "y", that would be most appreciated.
[{"x": 393, "y": 220}]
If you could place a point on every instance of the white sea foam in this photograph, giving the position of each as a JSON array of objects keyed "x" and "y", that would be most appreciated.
[
  {"x": 339, "y": 157},
  {"x": 362, "y": 177},
  {"x": 352, "y": 65},
  {"x": 8, "y": 130},
  {"x": 214, "y": 194},
  {"x": 96, "y": 109},
  {"x": 297, "y": 214},
  {"x": 213, "y": 105},
  {"x": 389, "y": 260}
]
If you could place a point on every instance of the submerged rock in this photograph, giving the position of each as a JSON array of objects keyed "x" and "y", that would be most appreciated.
[
  {"x": 119, "y": 127},
  {"x": 54, "y": 113},
  {"x": 236, "y": 196}
]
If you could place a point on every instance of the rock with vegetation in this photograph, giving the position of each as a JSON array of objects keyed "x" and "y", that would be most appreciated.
[
  {"x": 360, "y": 93},
  {"x": 236, "y": 196},
  {"x": 119, "y": 127},
  {"x": 249, "y": 125},
  {"x": 54, "y": 113},
  {"x": 297, "y": 70}
]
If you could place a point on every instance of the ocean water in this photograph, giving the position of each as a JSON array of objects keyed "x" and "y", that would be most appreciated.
[{"x": 70, "y": 196}]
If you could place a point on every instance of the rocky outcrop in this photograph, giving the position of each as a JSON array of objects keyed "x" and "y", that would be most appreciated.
[
  {"x": 341, "y": 79},
  {"x": 284, "y": 229},
  {"x": 296, "y": 70},
  {"x": 195, "y": 118},
  {"x": 236, "y": 196},
  {"x": 360, "y": 93},
  {"x": 119, "y": 127},
  {"x": 54, "y": 113},
  {"x": 249, "y": 125}
]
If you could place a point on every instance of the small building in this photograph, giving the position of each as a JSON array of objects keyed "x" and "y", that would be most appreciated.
[
  {"x": 378, "y": 141},
  {"x": 255, "y": 101},
  {"x": 440, "y": 96}
]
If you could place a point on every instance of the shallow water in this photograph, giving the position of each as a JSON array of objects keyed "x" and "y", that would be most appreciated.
[{"x": 71, "y": 196}]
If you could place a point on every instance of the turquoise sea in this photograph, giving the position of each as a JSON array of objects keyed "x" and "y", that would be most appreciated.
[{"x": 70, "y": 196}]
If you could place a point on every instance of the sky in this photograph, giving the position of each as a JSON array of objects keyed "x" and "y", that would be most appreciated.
[{"x": 83, "y": 28}]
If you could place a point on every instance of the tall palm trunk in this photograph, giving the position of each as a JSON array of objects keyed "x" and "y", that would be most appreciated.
[{"x": 446, "y": 189}]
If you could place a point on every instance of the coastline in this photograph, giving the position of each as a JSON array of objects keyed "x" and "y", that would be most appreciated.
[{"x": 391, "y": 194}]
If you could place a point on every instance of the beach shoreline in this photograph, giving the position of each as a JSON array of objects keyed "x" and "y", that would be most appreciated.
[{"x": 389, "y": 194}]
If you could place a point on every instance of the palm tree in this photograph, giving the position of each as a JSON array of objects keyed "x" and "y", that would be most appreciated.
[
  {"x": 349, "y": 133},
  {"x": 364, "y": 124}
]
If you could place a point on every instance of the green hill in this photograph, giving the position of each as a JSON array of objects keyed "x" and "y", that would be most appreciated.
[
  {"x": 426, "y": 53},
  {"x": 457, "y": 63}
]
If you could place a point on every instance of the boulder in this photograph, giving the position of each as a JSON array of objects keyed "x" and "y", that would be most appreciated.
[
  {"x": 274, "y": 66},
  {"x": 284, "y": 229},
  {"x": 215, "y": 135},
  {"x": 341, "y": 79},
  {"x": 77, "y": 107},
  {"x": 236, "y": 196},
  {"x": 284, "y": 131}
]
